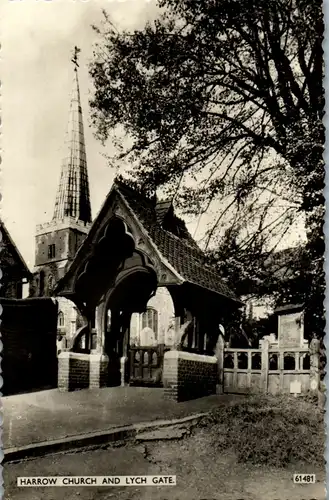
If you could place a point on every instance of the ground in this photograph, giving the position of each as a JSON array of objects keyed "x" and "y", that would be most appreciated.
[
  {"x": 221, "y": 457},
  {"x": 46, "y": 415},
  {"x": 202, "y": 474}
]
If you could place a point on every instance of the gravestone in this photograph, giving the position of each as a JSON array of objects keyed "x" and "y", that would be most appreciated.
[
  {"x": 295, "y": 387},
  {"x": 271, "y": 339},
  {"x": 291, "y": 326}
]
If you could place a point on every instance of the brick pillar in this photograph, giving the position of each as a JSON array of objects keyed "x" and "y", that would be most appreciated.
[
  {"x": 98, "y": 370},
  {"x": 73, "y": 370},
  {"x": 170, "y": 375},
  {"x": 63, "y": 371}
]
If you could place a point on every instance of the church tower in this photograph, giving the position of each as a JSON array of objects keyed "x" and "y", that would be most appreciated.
[{"x": 58, "y": 240}]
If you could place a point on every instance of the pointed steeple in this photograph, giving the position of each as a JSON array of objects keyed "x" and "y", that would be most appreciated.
[{"x": 73, "y": 198}]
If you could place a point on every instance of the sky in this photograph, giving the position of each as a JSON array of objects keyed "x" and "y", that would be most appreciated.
[{"x": 37, "y": 41}]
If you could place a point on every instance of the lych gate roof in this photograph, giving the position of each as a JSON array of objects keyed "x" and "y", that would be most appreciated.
[
  {"x": 175, "y": 247},
  {"x": 174, "y": 242}
]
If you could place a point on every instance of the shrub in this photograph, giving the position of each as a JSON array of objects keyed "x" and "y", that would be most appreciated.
[{"x": 275, "y": 431}]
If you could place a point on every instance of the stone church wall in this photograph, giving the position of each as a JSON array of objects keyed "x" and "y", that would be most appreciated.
[
  {"x": 59, "y": 238},
  {"x": 68, "y": 321}
]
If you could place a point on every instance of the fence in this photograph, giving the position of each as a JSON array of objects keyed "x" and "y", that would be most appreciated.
[{"x": 269, "y": 370}]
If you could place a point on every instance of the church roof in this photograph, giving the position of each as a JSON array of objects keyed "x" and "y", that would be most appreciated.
[
  {"x": 174, "y": 242},
  {"x": 73, "y": 198},
  {"x": 9, "y": 253}
]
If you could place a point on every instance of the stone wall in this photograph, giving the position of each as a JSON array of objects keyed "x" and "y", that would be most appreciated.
[
  {"x": 13, "y": 269},
  {"x": 189, "y": 376},
  {"x": 28, "y": 334},
  {"x": 11, "y": 287}
]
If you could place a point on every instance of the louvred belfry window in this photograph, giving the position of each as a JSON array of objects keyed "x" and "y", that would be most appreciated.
[
  {"x": 150, "y": 320},
  {"x": 51, "y": 251}
]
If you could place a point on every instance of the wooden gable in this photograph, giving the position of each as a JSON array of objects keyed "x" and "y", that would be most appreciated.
[{"x": 93, "y": 259}]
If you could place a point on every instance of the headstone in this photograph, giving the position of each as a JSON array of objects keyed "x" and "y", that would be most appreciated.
[
  {"x": 295, "y": 387},
  {"x": 147, "y": 337},
  {"x": 290, "y": 327},
  {"x": 271, "y": 339}
]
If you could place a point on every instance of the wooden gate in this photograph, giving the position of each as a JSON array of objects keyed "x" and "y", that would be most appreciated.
[{"x": 146, "y": 365}]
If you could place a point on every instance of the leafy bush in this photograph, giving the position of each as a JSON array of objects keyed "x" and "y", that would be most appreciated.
[{"x": 275, "y": 431}]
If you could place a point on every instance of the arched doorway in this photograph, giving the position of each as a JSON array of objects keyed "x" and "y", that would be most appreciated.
[
  {"x": 152, "y": 333},
  {"x": 135, "y": 283}
]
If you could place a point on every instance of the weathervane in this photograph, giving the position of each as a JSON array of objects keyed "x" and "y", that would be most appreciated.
[{"x": 75, "y": 57}]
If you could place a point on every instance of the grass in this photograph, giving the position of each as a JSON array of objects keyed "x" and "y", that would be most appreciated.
[{"x": 266, "y": 430}]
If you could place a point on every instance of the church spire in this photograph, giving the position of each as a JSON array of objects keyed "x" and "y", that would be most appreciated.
[{"x": 73, "y": 199}]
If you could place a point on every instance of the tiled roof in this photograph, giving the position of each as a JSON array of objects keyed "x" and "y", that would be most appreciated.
[
  {"x": 175, "y": 243},
  {"x": 9, "y": 252}
]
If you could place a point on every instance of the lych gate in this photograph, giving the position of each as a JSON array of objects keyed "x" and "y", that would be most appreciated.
[
  {"x": 115, "y": 281},
  {"x": 133, "y": 250},
  {"x": 113, "y": 271}
]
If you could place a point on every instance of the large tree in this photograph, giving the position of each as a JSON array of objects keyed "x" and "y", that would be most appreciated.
[{"x": 223, "y": 104}]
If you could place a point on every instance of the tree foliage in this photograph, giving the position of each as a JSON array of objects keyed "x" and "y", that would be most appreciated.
[{"x": 223, "y": 104}]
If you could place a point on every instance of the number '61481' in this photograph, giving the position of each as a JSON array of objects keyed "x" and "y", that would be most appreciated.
[{"x": 304, "y": 478}]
